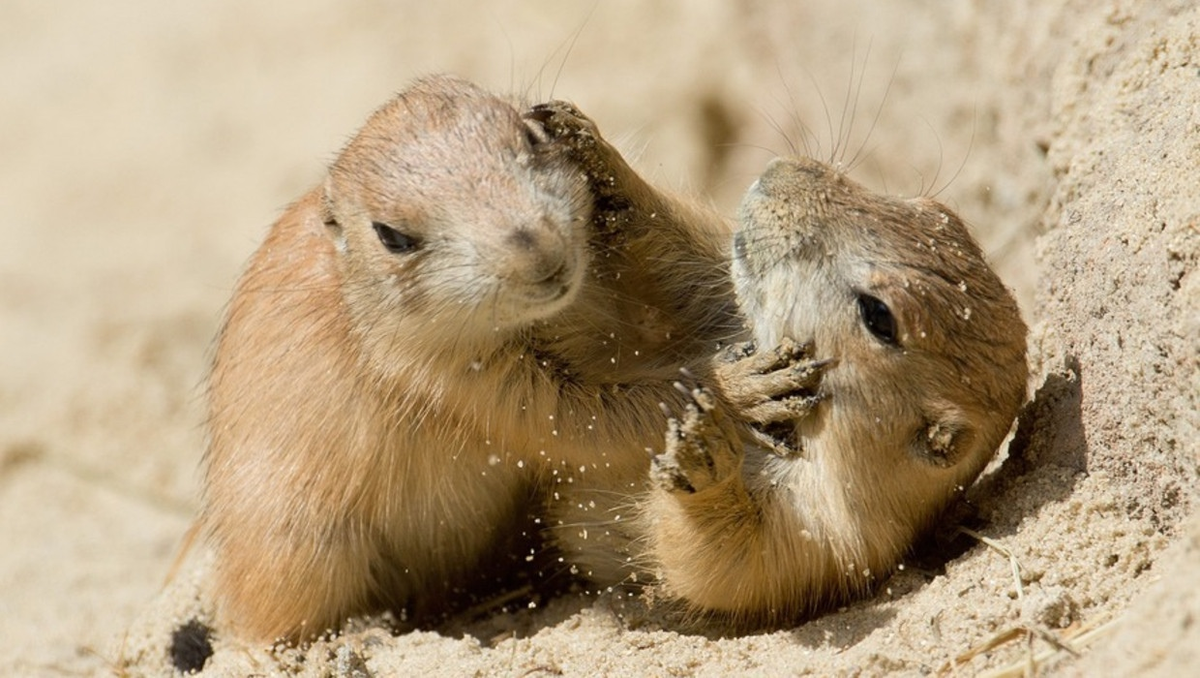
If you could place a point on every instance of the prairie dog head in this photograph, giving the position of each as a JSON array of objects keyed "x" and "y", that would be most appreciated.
[
  {"x": 453, "y": 222},
  {"x": 928, "y": 344}
]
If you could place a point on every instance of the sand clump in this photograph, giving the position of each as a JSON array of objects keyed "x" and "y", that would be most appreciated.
[{"x": 143, "y": 161}]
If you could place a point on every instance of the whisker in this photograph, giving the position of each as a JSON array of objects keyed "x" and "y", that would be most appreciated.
[
  {"x": 848, "y": 106},
  {"x": 874, "y": 121},
  {"x": 966, "y": 156},
  {"x": 571, "y": 46}
]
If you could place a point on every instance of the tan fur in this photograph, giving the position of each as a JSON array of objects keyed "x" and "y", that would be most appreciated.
[
  {"x": 882, "y": 438},
  {"x": 378, "y": 420}
]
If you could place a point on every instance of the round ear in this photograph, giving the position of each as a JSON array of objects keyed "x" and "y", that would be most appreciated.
[
  {"x": 944, "y": 441},
  {"x": 329, "y": 217}
]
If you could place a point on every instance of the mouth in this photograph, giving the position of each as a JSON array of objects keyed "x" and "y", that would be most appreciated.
[
  {"x": 551, "y": 292},
  {"x": 548, "y": 293}
]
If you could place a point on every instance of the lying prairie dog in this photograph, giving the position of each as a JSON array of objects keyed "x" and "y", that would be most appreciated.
[
  {"x": 911, "y": 354},
  {"x": 664, "y": 247}
]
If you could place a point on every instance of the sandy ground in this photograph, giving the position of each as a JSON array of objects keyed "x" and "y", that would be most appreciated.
[{"x": 145, "y": 147}]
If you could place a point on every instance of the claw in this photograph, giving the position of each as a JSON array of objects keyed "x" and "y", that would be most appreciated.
[
  {"x": 704, "y": 399},
  {"x": 562, "y": 120},
  {"x": 816, "y": 365},
  {"x": 540, "y": 113}
]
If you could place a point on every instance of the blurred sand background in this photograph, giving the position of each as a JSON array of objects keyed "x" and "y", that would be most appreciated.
[{"x": 145, "y": 147}]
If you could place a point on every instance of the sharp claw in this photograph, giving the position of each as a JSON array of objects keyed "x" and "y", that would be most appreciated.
[
  {"x": 821, "y": 364},
  {"x": 808, "y": 373},
  {"x": 703, "y": 399},
  {"x": 540, "y": 112}
]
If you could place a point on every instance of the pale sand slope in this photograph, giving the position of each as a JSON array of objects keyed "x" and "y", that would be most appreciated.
[{"x": 145, "y": 147}]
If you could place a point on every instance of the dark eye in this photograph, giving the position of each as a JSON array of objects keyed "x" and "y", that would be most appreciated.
[
  {"x": 878, "y": 318},
  {"x": 395, "y": 241}
]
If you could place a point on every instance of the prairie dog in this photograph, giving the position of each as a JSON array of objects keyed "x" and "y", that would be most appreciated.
[
  {"x": 914, "y": 356},
  {"x": 452, "y": 307},
  {"x": 659, "y": 248}
]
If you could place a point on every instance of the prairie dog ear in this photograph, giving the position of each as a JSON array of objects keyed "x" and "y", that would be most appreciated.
[
  {"x": 333, "y": 225},
  {"x": 945, "y": 441}
]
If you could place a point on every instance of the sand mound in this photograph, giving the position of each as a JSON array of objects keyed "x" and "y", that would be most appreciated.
[{"x": 145, "y": 150}]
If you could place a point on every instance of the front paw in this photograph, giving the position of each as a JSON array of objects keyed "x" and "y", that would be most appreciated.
[
  {"x": 611, "y": 180},
  {"x": 566, "y": 127},
  {"x": 563, "y": 121},
  {"x": 772, "y": 386},
  {"x": 702, "y": 449}
]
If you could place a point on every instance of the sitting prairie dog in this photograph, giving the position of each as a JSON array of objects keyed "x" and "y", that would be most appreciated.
[
  {"x": 418, "y": 346},
  {"x": 912, "y": 356}
]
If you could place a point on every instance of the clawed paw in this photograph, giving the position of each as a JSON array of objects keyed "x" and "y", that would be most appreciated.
[
  {"x": 611, "y": 180},
  {"x": 563, "y": 122},
  {"x": 702, "y": 450},
  {"x": 776, "y": 385}
]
